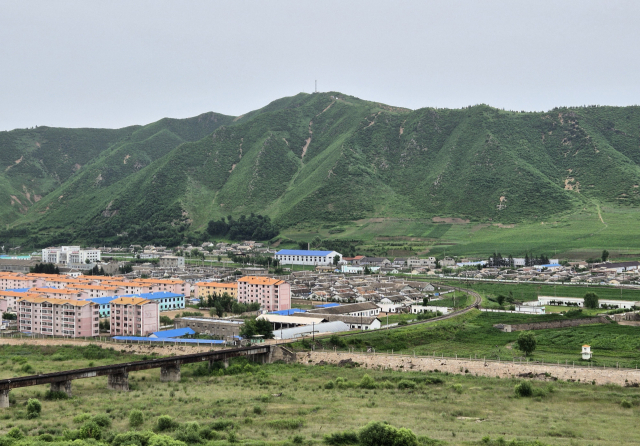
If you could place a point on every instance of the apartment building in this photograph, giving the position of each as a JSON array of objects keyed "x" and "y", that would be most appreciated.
[
  {"x": 12, "y": 298},
  {"x": 58, "y": 317},
  {"x": 95, "y": 290},
  {"x": 165, "y": 285},
  {"x": 134, "y": 316},
  {"x": 12, "y": 281},
  {"x": 60, "y": 293},
  {"x": 204, "y": 289},
  {"x": 70, "y": 255},
  {"x": 272, "y": 294},
  {"x": 171, "y": 262}
]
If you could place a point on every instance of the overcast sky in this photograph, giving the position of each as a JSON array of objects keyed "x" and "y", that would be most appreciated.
[{"x": 115, "y": 63}]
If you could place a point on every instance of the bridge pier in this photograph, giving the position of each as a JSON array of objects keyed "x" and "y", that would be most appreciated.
[
  {"x": 225, "y": 363},
  {"x": 170, "y": 373},
  {"x": 118, "y": 381},
  {"x": 4, "y": 399},
  {"x": 62, "y": 386}
]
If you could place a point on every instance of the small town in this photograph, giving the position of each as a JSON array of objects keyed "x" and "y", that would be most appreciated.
[{"x": 319, "y": 224}]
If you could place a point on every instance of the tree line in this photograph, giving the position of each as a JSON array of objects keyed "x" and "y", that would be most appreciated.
[
  {"x": 253, "y": 227},
  {"x": 224, "y": 303}
]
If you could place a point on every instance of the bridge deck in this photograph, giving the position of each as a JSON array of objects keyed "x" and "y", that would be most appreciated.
[{"x": 89, "y": 372}]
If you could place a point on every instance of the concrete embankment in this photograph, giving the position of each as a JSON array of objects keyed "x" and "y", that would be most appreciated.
[{"x": 475, "y": 367}]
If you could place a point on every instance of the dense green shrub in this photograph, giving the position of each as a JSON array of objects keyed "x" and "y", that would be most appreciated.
[
  {"x": 341, "y": 438},
  {"x": 102, "y": 420},
  {"x": 165, "y": 440},
  {"x": 132, "y": 438},
  {"x": 380, "y": 434},
  {"x": 34, "y": 407},
  {"x": 136, "y": 418},
  {"x": 524, "y": 389},
  {"x": 55, "y": 395},
  {"x": 287, "y": 423},
  {"x": 165, "y": 423},
  {"x": 406, "y": 384},
  {"x": 81, "y": 418},
  {"x": 337, "y": 341},
  {"x": 367, "y": 382},
  {"x": 189, "y": 433},
  {"x": 15, "y": 433}
]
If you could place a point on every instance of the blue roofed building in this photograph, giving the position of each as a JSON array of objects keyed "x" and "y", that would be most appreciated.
[
  {"x": 329, "y": 305},
  {"x": 305, "y": 257},
  {"x": 166, "y": 301},
  {"x": 288, "y": 312},
  {"x": 103, "y": 304},
  {"x": 175, "y": 333}
]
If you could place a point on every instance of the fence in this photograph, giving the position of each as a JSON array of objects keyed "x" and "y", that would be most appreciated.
[{"x": 582, "y": 364}]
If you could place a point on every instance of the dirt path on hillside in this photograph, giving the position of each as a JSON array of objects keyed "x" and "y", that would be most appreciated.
[{"x": 492, "y": 369}]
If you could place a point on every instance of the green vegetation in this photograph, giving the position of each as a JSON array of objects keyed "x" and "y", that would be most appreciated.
[
  {"x": 280, "y": 405},
  {"x": 254, "y": 227},
  {"x": 591, "y": 300},
  {"x": 526, "y": 342},
  {"x": 45, "y": 268},
  {"x": 524, "y": 292},
  {"x": 473, "y": 335},
  {"x": 256, "y": 327},
  {"x": 224, "y": 303},
  {"x": 358, "y": 173}
]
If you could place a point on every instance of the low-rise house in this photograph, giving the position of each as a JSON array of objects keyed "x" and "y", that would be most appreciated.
[{"x": 360, "y": 309}]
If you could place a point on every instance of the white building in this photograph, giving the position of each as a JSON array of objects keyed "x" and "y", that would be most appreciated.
[
  {"x": 552, "y": 300},
  {"x": 302, "y": 257},
  {"x": 417, "y": 309},
  {"x": 429, "y": 262},
  {"x": 70, "y": 255},
  {"x": 171, "y": 262},
  {"x": 348, "y": 269}
]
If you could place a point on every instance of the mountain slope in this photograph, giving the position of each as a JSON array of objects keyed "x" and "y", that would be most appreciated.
[{"x": 329, "y": 157}]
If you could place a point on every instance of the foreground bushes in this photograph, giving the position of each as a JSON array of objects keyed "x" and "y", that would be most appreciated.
[{"x": 374, "y": 434}]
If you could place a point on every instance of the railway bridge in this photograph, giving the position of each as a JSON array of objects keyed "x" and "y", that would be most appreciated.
[{"x": 118, "y": 374}]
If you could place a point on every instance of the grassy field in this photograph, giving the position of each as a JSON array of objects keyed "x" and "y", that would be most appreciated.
[
  {"x": 473, "y": 335},
  {"x": 281, "y": 404},
  {"x": 577, "y": 236},
  {"x": 525, "y": 292}
]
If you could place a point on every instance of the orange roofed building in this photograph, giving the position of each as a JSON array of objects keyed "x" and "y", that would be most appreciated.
[
  {"x": 204, "y": 289},
  {"x": 58, "y": 317},
  {"x": 134, "y": 316},
  {"x": 272, "y": 294}
]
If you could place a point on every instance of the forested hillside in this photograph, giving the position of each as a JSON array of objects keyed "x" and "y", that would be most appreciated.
[{"x": 315, "y": 158}]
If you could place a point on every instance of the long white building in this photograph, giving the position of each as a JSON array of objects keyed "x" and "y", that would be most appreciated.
[
  {"x": 302, "y": 257},
  {"x": 70, "y": 255}
]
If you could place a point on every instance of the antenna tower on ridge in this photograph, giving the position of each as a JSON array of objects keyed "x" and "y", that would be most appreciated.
[{"x": 316, "y": 86}]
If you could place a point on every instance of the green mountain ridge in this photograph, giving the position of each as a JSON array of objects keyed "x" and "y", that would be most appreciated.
[{"x": 314, "y": 159}]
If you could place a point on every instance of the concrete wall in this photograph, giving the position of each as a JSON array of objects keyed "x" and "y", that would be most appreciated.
[
  {"x": 502, "y": 369},
  {"x": 508, "y": 328}
]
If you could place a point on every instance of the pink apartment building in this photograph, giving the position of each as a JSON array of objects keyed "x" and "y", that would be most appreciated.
[
  {"x": 168, "y": 285},
  {"x": 134, "y": 316},
  {"x": 12, "y": 281},
  {"x": 272, "y": 294},
  {"x": 58, "y": 317},
  {"x": 12, "y": 297},
  {"x": 95, "y": 290}
]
